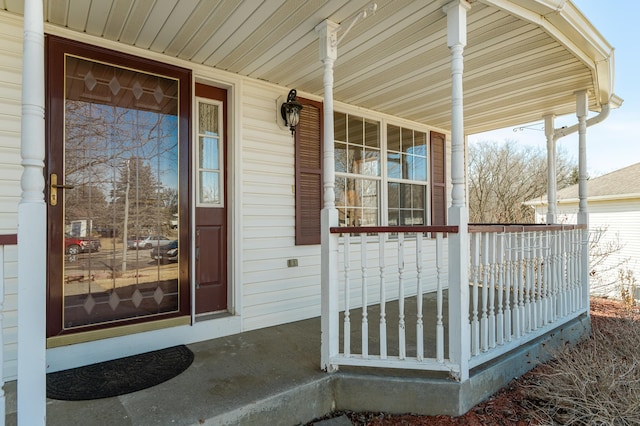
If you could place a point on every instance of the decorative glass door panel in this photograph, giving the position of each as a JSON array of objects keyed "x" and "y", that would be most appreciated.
[{"x": 119, "y": 193}]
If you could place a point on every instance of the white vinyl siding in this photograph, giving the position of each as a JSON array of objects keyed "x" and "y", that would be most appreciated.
[
  {"x": 272, "y": 292},
  {"x": 621, "y": 220},
  {"x": 10, "y": 173}
]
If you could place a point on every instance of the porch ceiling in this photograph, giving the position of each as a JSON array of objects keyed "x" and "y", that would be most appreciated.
[{"x": 524, "y": 58}]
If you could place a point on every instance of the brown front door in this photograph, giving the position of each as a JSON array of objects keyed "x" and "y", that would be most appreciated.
[{"x": 211, "y": 200}]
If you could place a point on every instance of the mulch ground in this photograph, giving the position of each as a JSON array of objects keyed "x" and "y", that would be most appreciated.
[{"x": 509, "y": 406}]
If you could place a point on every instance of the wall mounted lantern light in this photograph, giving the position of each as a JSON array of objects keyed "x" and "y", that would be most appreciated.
[{"x": 290, "y": 111}]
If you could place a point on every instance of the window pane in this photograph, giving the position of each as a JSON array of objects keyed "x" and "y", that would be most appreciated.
[
  {"x": 393, "y": 138},
  {"x": 208, "y": 118},
  {"x": 420, "y": 143},
  {"x": 372, "y": 133},
  {"x": 393, "y": 217},
  {"x": 355, "y": 130},
  {"x": 407, "y": 140},
  {"x": 209, "y": 188},
  {"x": 418, "y": 196},
  {"x": 369, "y": 217},
  {"x": 209, "y": 153},
  {"x": 394, "y": 168},
  {"x": 394, "y": 195},
  {"x": 371, "y": 164},
  {"x": 418, "y": 217},
  {"x": 340, "y": 126},
  {"x": 354, "y": 160},
  {"x": 419, "y": 170},
  {"x": 340, "y": 152}
]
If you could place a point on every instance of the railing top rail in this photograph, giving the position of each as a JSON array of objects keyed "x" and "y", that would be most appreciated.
[
  {"x": 8, "y": 239},
  {"x": 391, "y": 229},
  {"x": 494, "y": 227}
]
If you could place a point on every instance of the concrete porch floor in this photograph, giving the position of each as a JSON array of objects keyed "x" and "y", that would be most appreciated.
[{"x": 272, "y": 376}]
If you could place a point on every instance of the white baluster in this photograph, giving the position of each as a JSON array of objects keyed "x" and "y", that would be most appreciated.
[
  {"x": 493, "y": 270},
  {"x": 484, "y": 320},
  {"x": 517, "y": 281},
  {"x": 546, "y": 268},
  {"x": 402, "y": 348},
  {"x": 419, "y": 320},
  {"x": 439, "y": 301},
  {"x": 347, "y": 312},
  {"x": 500, "y": 263},
  {"x": 540, "y": 300},
  {"x": 383, "y": 297},
  {"x": 557, "y": 277},
  {"x": 365, "y": 314},
  {"x": 475, "y": 271},
  {"x": 526, "y": 239},
  {"x": 522, "y": 274},
  {"x": 508, "y": 288}
]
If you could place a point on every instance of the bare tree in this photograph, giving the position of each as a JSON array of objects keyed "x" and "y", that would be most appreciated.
[{"x": 503, "y": 176}]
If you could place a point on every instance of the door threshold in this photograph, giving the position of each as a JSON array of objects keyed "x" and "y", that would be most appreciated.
[{"x": 212, "y": 315}]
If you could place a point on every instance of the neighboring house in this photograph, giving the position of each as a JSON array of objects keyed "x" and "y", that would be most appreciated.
[
  {"x": 614, "y": 222},
  {"x": 120, "y": 113}
]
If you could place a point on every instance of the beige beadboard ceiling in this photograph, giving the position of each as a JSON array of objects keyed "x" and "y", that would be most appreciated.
[{"x": 523, "y": 59}]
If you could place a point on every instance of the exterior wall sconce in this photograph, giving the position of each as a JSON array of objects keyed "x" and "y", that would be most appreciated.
[{"x": 290, "y": 111}]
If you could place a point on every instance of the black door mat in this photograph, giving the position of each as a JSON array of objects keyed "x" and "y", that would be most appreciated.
[{"x": 119, "y": 376}]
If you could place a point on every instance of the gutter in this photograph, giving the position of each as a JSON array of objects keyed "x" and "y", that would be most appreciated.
[{"x": 614, "y": 102}]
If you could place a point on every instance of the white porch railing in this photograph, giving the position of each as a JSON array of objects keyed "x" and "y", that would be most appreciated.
[{"x": 524, "y": 281}]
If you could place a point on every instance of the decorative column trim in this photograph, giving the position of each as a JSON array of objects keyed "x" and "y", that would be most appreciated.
[
  {"x": 327, "y": 31},
  {"x": 459, "y": 333},
  {"x": 32, "y": 229}
]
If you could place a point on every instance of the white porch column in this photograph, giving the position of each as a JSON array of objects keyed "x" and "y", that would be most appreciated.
[
  {"x": 329, "y": 215},
  {"x": 552, "y": 184},
  {"x": 459, "y": 333},
  {"x": 32, "y": 228},
  {"x": 582, "y": 104}
]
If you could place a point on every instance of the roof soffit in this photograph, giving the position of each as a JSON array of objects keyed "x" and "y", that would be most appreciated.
[{"x": 524, "y": 58}]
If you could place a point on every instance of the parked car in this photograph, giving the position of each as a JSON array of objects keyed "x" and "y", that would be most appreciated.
[
  {"x": 166, "y": 253},
  {"x": 135, "y": 241},
  {"x": 76, "y": 245},
  {"x": 149, "y": 242}
]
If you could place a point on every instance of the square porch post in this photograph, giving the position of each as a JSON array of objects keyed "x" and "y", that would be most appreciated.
[{"x": 459, "y": 333}]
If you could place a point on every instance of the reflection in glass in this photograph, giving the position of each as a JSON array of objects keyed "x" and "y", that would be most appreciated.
[{"x": 121, "y": 154}]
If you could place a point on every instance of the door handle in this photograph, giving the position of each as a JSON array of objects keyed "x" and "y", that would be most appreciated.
[{"x": 53, "y": 192}]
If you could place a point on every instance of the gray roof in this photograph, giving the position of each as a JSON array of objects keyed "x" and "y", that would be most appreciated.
[{"x": 624, "y": 182}]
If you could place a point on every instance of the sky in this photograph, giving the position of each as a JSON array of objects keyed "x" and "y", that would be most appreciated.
[{"x": 615, "y": 142}]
